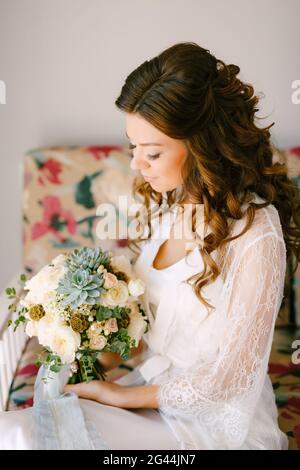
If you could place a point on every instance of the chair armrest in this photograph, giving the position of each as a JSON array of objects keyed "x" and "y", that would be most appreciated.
[{"x": 11, "y": 343}]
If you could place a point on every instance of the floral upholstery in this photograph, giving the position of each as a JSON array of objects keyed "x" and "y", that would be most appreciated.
[
  {"x": 63, "y": 186},
  {"x": 285, "y": 377}
]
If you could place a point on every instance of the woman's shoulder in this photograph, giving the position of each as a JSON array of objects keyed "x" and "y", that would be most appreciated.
[{"x": 266, "y": 221}]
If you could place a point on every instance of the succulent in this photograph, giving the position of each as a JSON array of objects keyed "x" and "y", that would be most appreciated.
[
  {"x": 80, "y": 287},
  {"x": 87, "y": 258}
]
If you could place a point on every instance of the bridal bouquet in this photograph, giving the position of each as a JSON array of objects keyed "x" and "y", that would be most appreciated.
[{"x": 80, "y": 305}]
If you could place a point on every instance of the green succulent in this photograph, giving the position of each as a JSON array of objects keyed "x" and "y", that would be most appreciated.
[
  {"x": 87, "y": 258},
  {"x": 80, "y": 287}
]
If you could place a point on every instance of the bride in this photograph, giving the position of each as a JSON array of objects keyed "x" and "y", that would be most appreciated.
[{"x": 212, "y": 293}]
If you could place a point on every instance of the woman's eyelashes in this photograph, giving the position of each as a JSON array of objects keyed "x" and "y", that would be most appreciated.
[{"x": 152, "y": 157}]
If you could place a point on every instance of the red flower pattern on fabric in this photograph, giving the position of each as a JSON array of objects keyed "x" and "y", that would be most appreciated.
[{"x": 54, "y": 220}]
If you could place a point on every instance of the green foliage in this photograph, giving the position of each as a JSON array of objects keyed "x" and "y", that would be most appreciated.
[
  {"x": 88, "y": 368},
  {"x": 104, "y": 313},
  {"x": 15, "y": 307},
  {"x": 11, "y": 292},
  {"x": 51, "y": 361},
  {"x": 121, "y": 344}
]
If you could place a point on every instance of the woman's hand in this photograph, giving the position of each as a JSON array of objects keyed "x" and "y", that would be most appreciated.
[
  {"x": 109, "y": 393},
  {"x": 103, "y": 391}
]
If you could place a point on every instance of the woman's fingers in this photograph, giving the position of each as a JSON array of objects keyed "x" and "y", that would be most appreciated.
[{"x": 83, "y": 390}]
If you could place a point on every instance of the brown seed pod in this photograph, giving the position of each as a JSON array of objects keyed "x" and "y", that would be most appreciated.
[
  {"x": 36, "y": 312},
  {"x": 79, "y": 323}
]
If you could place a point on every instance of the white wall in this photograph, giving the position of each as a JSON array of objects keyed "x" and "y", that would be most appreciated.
[{"x": 64, "y": 62}]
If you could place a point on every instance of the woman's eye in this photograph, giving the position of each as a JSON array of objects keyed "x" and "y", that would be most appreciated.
[{"x": 152, "y": 157}]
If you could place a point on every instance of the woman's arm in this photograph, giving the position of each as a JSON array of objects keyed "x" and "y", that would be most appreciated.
[
  {"x": 114, "y": 394},
  {"x": 141, "y": 396}
]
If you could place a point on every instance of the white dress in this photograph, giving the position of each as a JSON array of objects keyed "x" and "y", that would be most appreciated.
[{"x": 215, "y": 392}]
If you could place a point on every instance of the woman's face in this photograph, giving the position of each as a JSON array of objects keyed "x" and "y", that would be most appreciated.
[{"x": 155, "y": 154}]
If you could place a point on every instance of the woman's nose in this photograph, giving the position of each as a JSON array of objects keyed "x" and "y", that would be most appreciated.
[{"x": 138, "y": 163}]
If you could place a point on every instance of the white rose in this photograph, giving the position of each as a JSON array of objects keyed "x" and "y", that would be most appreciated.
[
  {"x": 65, "y": 342},
  {"x": 136, "y": 287},
  {"x": 44, "y": 281},
  {"x": 47, "y": 327},
  {"x": 137, "y": 326},
  {"x": 59, "y": 259},
  {"x": 117, "y": 295},
  {"x": 34, "y": 298},
  {"x": 121, "y": 263},
  {"x": 45, "y": 297},
  {"x": 31, "y": 328}
]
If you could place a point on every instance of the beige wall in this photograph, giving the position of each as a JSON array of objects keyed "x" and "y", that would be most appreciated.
[{"x": 64, "y": 62}]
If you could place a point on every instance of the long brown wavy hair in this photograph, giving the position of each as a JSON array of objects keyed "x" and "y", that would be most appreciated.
[{"x": 189, "y": 94}]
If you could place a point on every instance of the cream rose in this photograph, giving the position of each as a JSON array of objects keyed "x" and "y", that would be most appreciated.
[
  {"x": 98, "y": 342},
  {"x": 110, "y": 280},
  {"x": 31, "y": 328},
  {"x": 136, "y": 287},
  {"x": 45, "y": 281},
  {"x": 121, "y": 263},
  {"x": 96, "y": 328},
  {"x": 59, "y": 260},
  {"x": 47, "y": 327},
  {"x": 110, "y": 326},
  {"x": 95, "y": 336},
  {"x": 117, "y": 295},
  {"x": 65, "y": 342},
  {"x": 137, "y": 326},
  {"x": 133, "y": 306},
  {"x": 48, "y": 300}
]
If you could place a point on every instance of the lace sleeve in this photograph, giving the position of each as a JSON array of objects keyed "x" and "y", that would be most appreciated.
[{"x": 224, "y": 394}]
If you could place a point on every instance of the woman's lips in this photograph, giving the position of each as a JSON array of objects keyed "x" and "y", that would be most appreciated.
[{"x": 147, "y": 178}]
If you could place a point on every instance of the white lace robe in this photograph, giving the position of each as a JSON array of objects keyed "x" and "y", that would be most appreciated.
[
  {"x": 211, "y": 368},
  {"x": 214, "y": 391}
]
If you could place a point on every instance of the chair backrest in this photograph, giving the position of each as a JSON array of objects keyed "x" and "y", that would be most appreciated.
[{"x": 62, "y": 192}]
